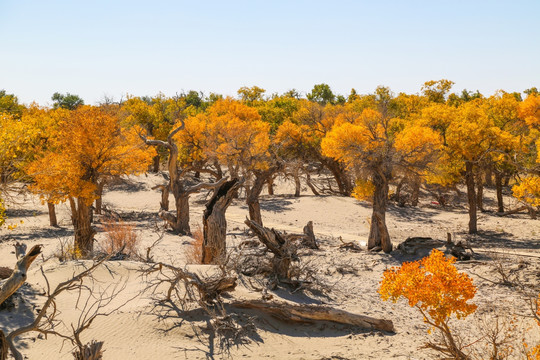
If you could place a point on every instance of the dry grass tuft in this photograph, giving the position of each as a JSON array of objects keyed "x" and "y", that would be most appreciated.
[
  {"x": 119, "y": 236},
  {"x": 194, "y": 251}
]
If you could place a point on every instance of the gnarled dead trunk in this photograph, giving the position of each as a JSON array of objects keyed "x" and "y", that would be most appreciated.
[
  {"x": 81, "y": 217},
  {"x": 52, "y": 214},
  {"x": 284, "y": 250},
  {"x": 215, "y": 223},
  {"x": 378, "y": 233},
  {"x": 471, "y": 196}
]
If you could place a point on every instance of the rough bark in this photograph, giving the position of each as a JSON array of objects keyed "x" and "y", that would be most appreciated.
[
  {"x": 81, "y": 217},
  {"x": 164, "y": 203},
  {"x": 499, "y": 188},
  {"x": 480, "y": 193},
  {"x": 18, "y": 276},
  {"x": 471, "y": 195},
  {"x": 311, "y": 313},
  {"x": 52, "y": 214},
  {"x": 297, "y": 185},
  {"x": 415, "y": 193},
  {"x": 3, "y": 346},
  {"x": 378, "y": 233},
  {"x": 282, "y": 248},
  {"x": 253, "y": 193},
  {"x": 338, "y": 171},
  {"x": 271, "y": 185},
  {"x": 155, "y": 164},
  {"x": 99, "y": 200},
  {"x": 310, "y": 185},
  {"x": 215, "y": 223}
]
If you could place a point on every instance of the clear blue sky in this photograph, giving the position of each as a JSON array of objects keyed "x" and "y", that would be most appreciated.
[{"x": 92, "y": 48}]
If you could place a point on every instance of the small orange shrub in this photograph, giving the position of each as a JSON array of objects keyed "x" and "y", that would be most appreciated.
[
  {"x": 435, "y": 287},
  {"x": 118, "y": 234},
  {"x": 194, "y": 251}
]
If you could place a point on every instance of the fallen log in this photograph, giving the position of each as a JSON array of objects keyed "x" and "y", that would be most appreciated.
[
  {"x": 18, "y": 277},
  {"x": 311, "y": 313}
]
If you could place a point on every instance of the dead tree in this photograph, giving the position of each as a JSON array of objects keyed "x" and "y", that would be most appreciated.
[
  {"x": 215, "y": 223},
  {"x": 46, "y": 321},
  {"x": 312, "y": 313},
  {"x": 283, "y": 249},
  {"x": 179, "y": 221},
  {"x": 307, "y": 238},
  {"x": 18, "y": 277}
]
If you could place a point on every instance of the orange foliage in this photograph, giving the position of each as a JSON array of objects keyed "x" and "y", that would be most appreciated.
[
  {"x": 433, "y": 285},
  {"x": 89, "y": 145}
]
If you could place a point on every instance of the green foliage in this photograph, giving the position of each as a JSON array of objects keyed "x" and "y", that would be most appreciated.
[
  {"x": 10, "y": 104},
  {"x": 322, "y": 94},
  {"x": 68, "y": 101}
]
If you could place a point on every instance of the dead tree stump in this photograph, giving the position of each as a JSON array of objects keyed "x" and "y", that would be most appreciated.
[
  {"x": 283, "y": 249},
  {"x": 215, "y": 223}
]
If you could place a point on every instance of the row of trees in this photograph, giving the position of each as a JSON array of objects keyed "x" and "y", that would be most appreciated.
[{"x": 365, "y": 143}]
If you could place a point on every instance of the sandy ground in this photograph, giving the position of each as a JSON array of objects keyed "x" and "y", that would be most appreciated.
[{"x": 138, "y": 330}]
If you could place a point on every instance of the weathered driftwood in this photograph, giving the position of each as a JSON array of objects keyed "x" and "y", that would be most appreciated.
[
  {"x": 18, "y": 277},
  {"x": 311, "y": 313},
  {"x": 215, "y": 223},
  {"x": 283, "y": 249}
]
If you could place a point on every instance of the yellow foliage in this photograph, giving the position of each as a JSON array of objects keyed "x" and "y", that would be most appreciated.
[
  {"x": 529, "y": 110},
  {"x": 236, "y": 135},
  {"x": 528, "y": 190},
  {"x": 89, "y": 145},
  {"x": 363, "y": 190},
  {"x": 433, "y": 285}
]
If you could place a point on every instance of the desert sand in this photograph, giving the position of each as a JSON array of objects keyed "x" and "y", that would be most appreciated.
[{"x": 142, "y": 330}]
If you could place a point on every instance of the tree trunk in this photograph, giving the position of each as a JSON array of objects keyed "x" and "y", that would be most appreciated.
[
  {"x": 480, "y": 192},
  {"x": 297, "y": 185},
  {"x": 415, "y": 193},
  {"x": 3, "y": 346},
  {"x": 215, "y": 224},
  {"x": 182, "y": 214},
  {"x": 271, "y": 185},
  {"x": 81, "y": 215},
  {"x": 498, "y": 186},
  {"x": 310, "y": 185},
  {"x": 378, "y": 233},
  {"x": 489, "y": 176},
  {"x": 343, "y": 182},
  {"x": 252, "y": 195},
  {"x": 99, "y": 200},
  {"x": 155, "y": 164},
  {"x": 471, "y": 195},
  {"x": 52, "y": 214}
]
